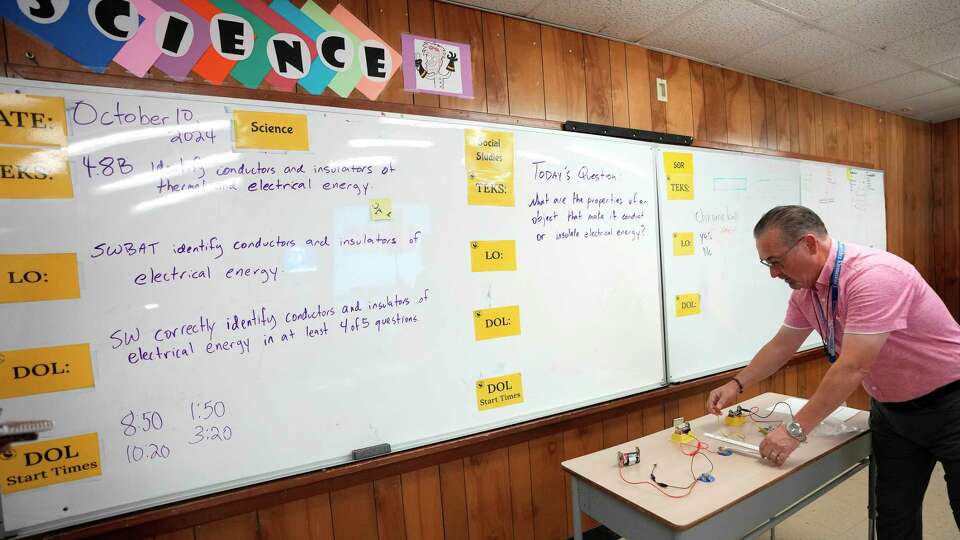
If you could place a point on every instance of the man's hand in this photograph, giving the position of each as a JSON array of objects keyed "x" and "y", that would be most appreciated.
[
  {"x": 721, "y": 397},
  {"x": 777, "y": 446}
]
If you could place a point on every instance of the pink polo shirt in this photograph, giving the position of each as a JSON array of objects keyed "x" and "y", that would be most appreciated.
[{"x": 880, "y": 292}]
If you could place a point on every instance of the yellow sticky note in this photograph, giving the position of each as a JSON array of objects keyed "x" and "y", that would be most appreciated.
[
  {"x": 493, "y": 255},
  {"x": 381, "y": 209},
  {"x": 32, "y": 120},
  {"x": 496, "y": 322},
  {"x": 682, "y": 244},
  {"x": 28, "y": 278},
  {"x": 678, "y": 167},
  {"x": 257, "y": 130},
  {"x": 488, "y": 150},
  {"x": 34, "y": 173},
  {"x": 490, "y": 189},
  {"x": 688, "y": 304},
  {"x": 29, "y": 466},
  {"x": 499, "y": 391},
  {"x": 26, "y": 372}
]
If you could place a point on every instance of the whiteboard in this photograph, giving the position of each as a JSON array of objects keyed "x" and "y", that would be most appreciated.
[
  {"x": 849, "y": 200},
  {"x": 741, "y": 308},
  {"x": 390, "y": 355}
]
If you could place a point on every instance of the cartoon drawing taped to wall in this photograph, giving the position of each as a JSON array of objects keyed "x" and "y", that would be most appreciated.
[
  {"x": 437, "y": 67},
  {"x": 436, "y": 64}
]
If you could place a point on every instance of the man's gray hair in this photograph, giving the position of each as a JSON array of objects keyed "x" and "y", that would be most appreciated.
[{"x": 793, "y": 221}]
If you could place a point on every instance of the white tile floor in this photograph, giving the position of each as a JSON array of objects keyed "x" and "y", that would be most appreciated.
[{"x": 842, "y": 513}]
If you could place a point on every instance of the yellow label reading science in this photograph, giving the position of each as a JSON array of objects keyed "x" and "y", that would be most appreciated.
[
  {"x": 381, "y": 209},
  {"x": 29, "y": 278},
  {"x": 34, "y": 173},
  {"x": 499, "y": 391},
  {"x": 32, "y": 120},
  {"x": 26, "y": 372},
  {"x": 490, "y": 189},
  {"x": 45, "y": 463},
  {"x": 682, "y": 244},
  {"x": 493, "y": 255},
  {"x": 496, "y": 322},
  {"x": 688, "y": 304},
  {"x": 678, "y": 167},
  {"x": 256, "y": 130},
  {"x": 489, "y": 151}
]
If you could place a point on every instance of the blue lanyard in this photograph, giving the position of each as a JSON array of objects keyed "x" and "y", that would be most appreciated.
[{"x": 830, "y": 339}]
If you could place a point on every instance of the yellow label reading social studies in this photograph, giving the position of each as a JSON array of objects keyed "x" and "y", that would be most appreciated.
[
  {"x": 257, "y": 130},
  {"x": 496, "y": 322},
  {"x": 29, "y": 278},
  {"x": 26, "y": 372},
  {"x": 381, "y": 209},
  {"x": 678, "y": 167},
  {"x": 34, "y": 173},
  {"x": 32, "y": 120},
  {"x": 54, "y": 461},
  {"x": 682, "y": 244},
  {"x": 499, "y": 391},
  {"x": 688, "y": 304},
  {"x": 490, "y": 189},
  {"x": 493, "y": 255},
  {"x": 487, "y": 150}
]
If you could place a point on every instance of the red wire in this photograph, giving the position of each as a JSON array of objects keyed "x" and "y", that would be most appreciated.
[
  {"x": 701, "y": 446},
  {"x": 658, "y": 488},
  {"x": 697, "y": 449}
]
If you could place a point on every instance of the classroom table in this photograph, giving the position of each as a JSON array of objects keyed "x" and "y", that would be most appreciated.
[{"x": 748, "y": 497}]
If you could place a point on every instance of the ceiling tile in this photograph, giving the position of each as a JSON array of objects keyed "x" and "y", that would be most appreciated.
[
  {"x": 879, "y": 22},
  {"x": 571, "y": 13},
  {"x": 796, "y": 53},
  {"x": 897, "y": 88},
  {"x": 930, "y": 47},
  {"x": 638, "y": 18},
  {"x": 721, "y": 30},
  {"x": 516, "y": 7},
  {"x": 852, "y": 72},
  {"x": 812, "y": 9},
  {"x": 932, "y": 102},
  {"x": 942, "y": 115},
  {"x": 950, "y": 67}
]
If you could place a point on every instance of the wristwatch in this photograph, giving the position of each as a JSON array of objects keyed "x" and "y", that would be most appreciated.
[{"x": 795, "y": 431}]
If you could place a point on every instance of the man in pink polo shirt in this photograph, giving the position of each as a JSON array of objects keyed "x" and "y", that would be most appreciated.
[{"x": 884, "y": 328}]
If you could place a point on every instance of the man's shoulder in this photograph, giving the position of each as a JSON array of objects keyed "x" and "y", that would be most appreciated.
[{"x": 863, "y": 258}]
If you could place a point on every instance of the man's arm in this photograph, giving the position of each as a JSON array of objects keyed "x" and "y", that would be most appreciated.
[
  {"x": 843, "y": 377},
  {"x": 768, "y": 360},
  {"x": 773, "y": 355}
]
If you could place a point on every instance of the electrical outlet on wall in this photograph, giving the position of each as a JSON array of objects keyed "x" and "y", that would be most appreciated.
[{"x": 661, "y": 89}]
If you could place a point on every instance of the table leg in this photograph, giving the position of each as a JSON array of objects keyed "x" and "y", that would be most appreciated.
[
  {"x": 872, "y": 499},
  {"x": 575, "y": 495}
]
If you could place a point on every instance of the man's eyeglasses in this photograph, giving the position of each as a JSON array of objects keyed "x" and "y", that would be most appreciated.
[{"x": 777, "y": 260}]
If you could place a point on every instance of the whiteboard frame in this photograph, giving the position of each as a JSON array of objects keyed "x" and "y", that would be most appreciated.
[
  {"x": 24, "y": 85},
  {"x": 660, "y": 148}
]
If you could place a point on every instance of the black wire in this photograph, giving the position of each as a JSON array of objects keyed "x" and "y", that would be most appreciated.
[
  {"x": 773, "y": 410},
  {"x": 653, "y": 477}
]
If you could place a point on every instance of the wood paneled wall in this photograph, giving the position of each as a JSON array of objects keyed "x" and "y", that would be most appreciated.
[
  {"x": 946, "y": 213},
  {"x": 538, "y": 75}
]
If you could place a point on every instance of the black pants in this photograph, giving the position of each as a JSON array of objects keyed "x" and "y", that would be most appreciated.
[{"x": 908, "y": 439}]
